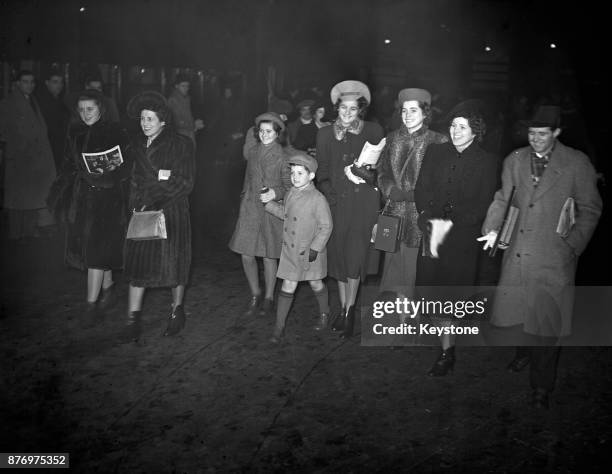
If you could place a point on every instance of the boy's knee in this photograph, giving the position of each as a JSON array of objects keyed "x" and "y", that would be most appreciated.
[
  {"x": 289, "y": 286},
  {"x": 316, "y": 285}
]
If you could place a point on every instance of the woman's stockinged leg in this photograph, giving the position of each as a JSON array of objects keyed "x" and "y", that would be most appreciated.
[
  {"x": 107, "y": 280},
  {"x": 94, "y": 284},
  {"x": 178, "y": 294},
  {"x": 352, "y": 290},
  {"x": 249, "y": 264},
  {"x": 135, "y": 295},
  {"x": 342, "y": 293},
  {"x": 270, "y": 269}
]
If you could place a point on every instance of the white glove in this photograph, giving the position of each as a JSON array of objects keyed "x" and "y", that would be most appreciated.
[
  {"x": 351, "y": 177},
  {"x": 489, "y": 240}
]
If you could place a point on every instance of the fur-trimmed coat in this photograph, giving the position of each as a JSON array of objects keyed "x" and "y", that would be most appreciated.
[{"x": 399, "y": 165}]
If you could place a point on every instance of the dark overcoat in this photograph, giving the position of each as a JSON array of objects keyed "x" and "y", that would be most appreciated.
[
  {"x": 96, "y": 216},
  {"x": 459, "y": 187},
  {"x": 354, "y": 207},
  {"x": 29, "y": 164}
]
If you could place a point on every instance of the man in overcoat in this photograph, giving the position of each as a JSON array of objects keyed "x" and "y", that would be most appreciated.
[
  {"x": 535, "y": 296},
  {"x": 29, "y": 166}
]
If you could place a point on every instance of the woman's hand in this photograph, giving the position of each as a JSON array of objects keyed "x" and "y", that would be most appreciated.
[
  {"x": 267, "y": 196},
  {"x": 351, "y": 177}
]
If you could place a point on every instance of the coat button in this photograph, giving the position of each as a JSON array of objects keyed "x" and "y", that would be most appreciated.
[
  {"x": 530, "y": 205},
  {"x": 292, "y": 245},
  {"x": 295, "y": 218},
  {"x": 521, "y": 231},
  {"x": 518, "y": 254}
]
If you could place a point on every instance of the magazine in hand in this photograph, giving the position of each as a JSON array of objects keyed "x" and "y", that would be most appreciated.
[
  {"x": 370, "y": 153},
  {"x": 103, "y": 161},
  {"x": 567, "y": 218}
]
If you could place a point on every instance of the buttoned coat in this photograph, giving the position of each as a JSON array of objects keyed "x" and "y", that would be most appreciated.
[
  {"x": 308, "y": 225},
  {"x": 354, "y": 207},
  {"x": 538, "y": 269},
  {"x": 258, "y": 233},
  {"x": 458, "y": 186},
  {"x": 29, "y": 164}
]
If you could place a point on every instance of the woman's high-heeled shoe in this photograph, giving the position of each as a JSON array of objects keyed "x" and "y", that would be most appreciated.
[
  {"x": 349, "y": 324},
  {"x": 339, "y": 321},
  {"x": 444, "y": 364},
  {"x": 133, "y": 327},
  {"x": 176, "y": 322}
]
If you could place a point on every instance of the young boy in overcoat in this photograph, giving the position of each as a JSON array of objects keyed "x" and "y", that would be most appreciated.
[{"x": 307, "y": 227}]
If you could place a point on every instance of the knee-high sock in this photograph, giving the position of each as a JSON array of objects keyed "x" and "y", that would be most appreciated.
[
  {"x": 322, "y": 297},
  {"x": 282, "y": 310}
]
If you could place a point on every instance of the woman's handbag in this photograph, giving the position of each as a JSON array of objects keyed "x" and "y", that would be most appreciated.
[
  {"x": 388, "y": 231},
  {"x": 147, "y": 225}
]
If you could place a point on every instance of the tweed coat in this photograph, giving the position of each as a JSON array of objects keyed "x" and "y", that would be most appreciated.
[
  {"x": 29, "y": 164},
  {"x": 538, "y": 269},
  {"x": 308, "y": 225},
  {"x": 257, "y": 232},
  {"x": 399, "y": 165},
  {"x": 162, "y": 263}
]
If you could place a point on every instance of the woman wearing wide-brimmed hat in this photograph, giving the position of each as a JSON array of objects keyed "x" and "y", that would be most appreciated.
[
  {"x": 163, "y": 175},
  {"x": 258, "y": 233},
  {"x": 354, "y": 200}
]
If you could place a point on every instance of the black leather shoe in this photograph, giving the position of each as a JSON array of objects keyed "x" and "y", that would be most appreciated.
[
  {"x": 133, "y": 327},
  {"x": 253, "y": 306},
  {"x": 323, "y": 322},
  {"x": 349, "y": 323},
  {"x": 339, "y": 321},
  {"x": 267, "y": 307},
  {"x": 108, "y": 297},
  {"x": 518, "y": 364},
  {"x": 539, "y": 399},
  {"x": 444, "y": 364},
  {"x": 176, "y": 321}
]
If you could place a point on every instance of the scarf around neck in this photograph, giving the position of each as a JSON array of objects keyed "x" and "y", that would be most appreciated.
[{"x": 355, "y": 127}]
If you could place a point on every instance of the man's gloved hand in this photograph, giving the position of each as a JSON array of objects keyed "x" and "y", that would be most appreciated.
[
  {"x": 365, "y": 173},
  {"x": 489, "y": 240},
  {"x": 396, "y": 194},
  {"x": 312, "y": 255}
]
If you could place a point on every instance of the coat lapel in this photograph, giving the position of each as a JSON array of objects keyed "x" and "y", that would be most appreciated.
[{"x": 551, "y": 175}]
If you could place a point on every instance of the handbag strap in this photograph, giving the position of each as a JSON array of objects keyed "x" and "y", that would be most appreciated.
[{"x": 384, "y": 210}]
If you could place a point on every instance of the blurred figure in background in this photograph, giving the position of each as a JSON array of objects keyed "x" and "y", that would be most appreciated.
[
  {"x": 29, "y": 164},
  {"x": 179, "y": 102},
  {"x": 55, "y": 112}
]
